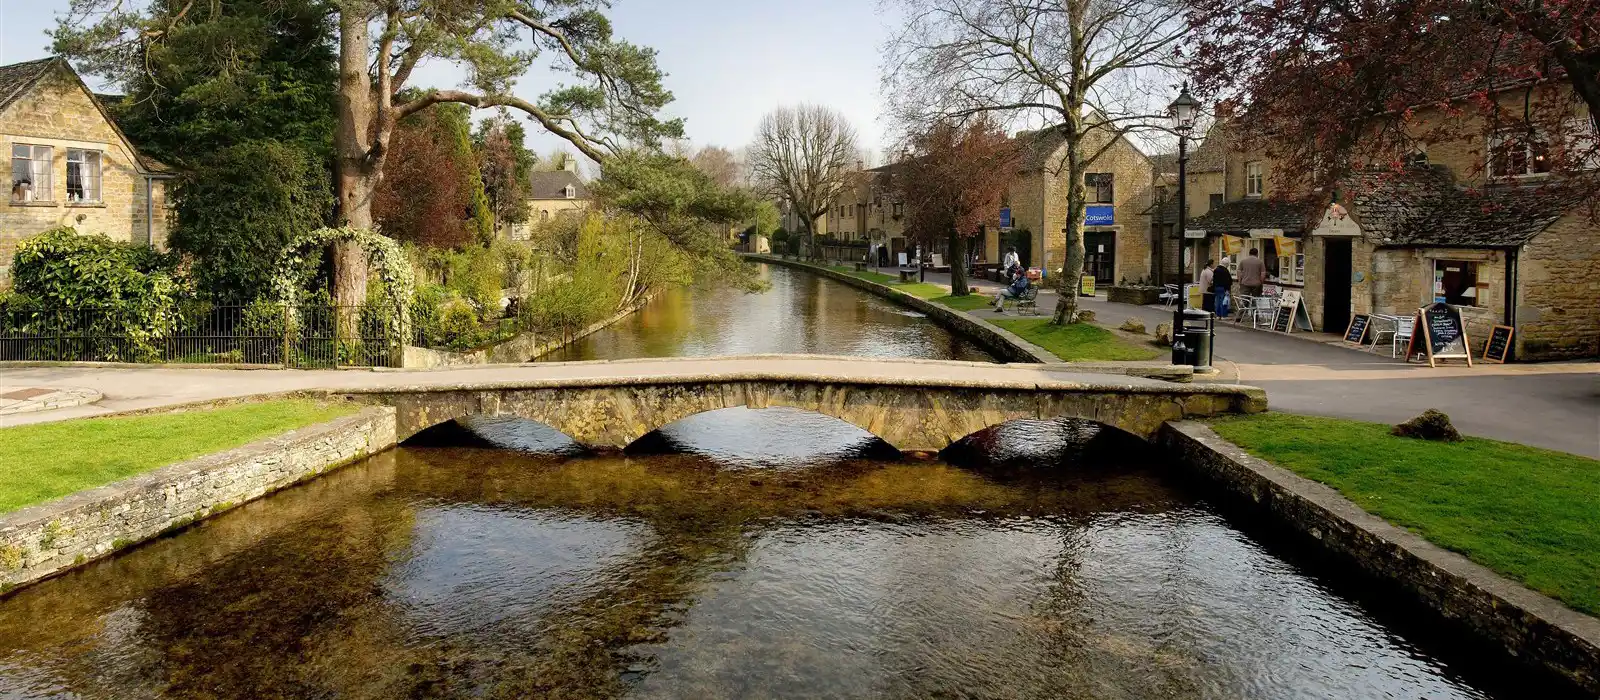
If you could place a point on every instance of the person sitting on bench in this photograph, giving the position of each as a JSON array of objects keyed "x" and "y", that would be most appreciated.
[{"x": 1019, "y": 284}]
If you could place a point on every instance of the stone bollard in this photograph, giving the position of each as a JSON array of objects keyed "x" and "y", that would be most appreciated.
[
  {"x": 1133, "y": 325},
  {"x": 1085, "y": 316},
  {"x": 1164, "y": 334}
]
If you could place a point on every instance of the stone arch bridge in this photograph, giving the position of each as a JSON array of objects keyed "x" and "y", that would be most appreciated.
[{"x": 914, "y": 405}]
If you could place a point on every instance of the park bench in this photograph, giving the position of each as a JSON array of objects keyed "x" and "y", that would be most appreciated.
[{"x": 1028, "y": 303}]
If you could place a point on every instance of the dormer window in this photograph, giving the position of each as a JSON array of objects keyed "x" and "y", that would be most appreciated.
[{"x": 570, "y": 192}]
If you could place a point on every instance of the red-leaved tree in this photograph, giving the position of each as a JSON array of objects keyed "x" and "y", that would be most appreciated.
[
  {"x": 424, "y": 197},
  {"x": 952, "y": 181},
  {"x": 1330, "y": 86}
]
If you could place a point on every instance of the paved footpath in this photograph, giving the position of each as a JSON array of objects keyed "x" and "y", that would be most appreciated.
[
  {"x": 1552, "y": 405},
  {"x": 137, "y": 387}
]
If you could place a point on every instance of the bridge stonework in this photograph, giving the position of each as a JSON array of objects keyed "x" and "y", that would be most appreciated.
[{"x": 923, "y": 415}]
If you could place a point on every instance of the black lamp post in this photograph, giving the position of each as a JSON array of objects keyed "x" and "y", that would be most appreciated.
[{"x": 1183, "y": 112}]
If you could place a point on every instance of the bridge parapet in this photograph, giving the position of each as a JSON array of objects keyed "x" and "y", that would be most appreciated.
[{"x": 915, "y": 406}]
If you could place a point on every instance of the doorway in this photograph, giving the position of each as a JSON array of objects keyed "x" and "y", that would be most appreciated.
[
  {"x": 1336, "y": 275},
  {"x": 1100, "y": 256}
]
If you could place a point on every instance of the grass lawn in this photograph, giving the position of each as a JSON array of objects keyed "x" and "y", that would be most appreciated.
[
  {"x": 50, "y": 460},
  {"x": 1078, "y": 342},
  {"x": 1528, "y": 513},
  {"x": 969, "y": 302}
]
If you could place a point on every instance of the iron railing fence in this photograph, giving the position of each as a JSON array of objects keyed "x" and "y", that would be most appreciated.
[{"x": 302, "y": 336}]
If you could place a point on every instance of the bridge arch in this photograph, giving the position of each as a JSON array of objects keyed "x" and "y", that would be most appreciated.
[{"x": 912, "y": 416}]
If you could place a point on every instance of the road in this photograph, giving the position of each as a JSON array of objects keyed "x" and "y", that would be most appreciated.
[{"x": 1551, "y": 405}]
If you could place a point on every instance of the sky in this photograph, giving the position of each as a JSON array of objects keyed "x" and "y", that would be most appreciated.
[{"x": 728, "y": 62}]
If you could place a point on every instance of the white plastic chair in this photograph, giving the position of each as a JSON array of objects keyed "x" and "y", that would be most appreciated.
[
  {"x": 1169, "y": 297},
  {"x": 1264, "y": 312},
  {"x": 1404, "y": 328}
]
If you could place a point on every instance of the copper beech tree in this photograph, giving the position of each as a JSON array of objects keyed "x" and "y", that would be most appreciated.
[
  {"x": 607, "y": 97},
  {"x": 1340, "y": 85},
  {"x": 952, "y": 182}
]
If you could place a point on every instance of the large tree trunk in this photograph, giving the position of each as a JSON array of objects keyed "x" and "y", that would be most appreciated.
[
  {"x": 356, "y": 181},
  {"x": 1072, "y": 265},
  {"x": 958, "y": 263}
]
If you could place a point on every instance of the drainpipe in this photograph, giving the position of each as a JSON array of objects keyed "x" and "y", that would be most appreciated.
[
  {"x": 1511, "y": 298},
  {"x": 149, "y": 211}
]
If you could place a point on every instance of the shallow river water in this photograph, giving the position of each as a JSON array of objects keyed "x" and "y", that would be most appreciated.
[{"x": 735, "y": 554}]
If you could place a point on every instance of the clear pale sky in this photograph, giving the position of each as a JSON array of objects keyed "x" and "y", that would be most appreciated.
[{"x": 728, "y": 61}]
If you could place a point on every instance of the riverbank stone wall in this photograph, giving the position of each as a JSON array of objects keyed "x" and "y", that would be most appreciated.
[
  {"x": 47, "y": 539},
  {"x": 1529, "y": 626}
]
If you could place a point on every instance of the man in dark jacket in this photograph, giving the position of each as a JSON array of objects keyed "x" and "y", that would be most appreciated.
[{"x": 1221, "y": 284}]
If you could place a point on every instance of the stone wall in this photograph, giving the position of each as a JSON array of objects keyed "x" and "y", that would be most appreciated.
[
  {"x": 518, "y": 349},
  {"x": 1527, "y": 625},
  {"x": 59, "y": 113},
  {"x": 1558, "y": 290},
  {"x": 47, "y": 539}
]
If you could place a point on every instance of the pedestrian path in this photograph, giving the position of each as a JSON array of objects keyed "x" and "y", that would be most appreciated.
[{"x": 31, "y": 399}]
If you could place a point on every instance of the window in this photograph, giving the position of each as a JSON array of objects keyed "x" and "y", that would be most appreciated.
[
  {"x": 571, "y": 192},
  {"x": 83, "y": 175},
  {"x": 899, "y": 209},
  {"x": 1253, "y": 180},
  {"x": 1518, "y": 154},
  {"x": 30, "y": 173},
  {"x": 1214, "y": 201},
  {"x": 1099, "y": 187},
  {"x": 544, "y": 214},
  {"x": 1455, "y": 282}
]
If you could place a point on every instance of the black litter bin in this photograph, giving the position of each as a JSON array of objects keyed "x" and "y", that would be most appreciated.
[{"x": 1199, "y": 336}]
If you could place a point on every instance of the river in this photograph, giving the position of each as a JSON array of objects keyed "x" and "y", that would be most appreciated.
[{"x": 734, "y": 554}]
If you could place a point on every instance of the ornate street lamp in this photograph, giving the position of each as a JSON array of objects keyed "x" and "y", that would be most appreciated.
[{"x": 1183, "y": 111}]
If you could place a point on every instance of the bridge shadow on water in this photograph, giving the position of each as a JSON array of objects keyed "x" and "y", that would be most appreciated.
[{"x": 786, "y": 438}]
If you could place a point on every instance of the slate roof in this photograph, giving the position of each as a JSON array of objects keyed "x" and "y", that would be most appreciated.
[
  {"x": 16, "y": 78},
  {"x": 1423, "y": 207},
  {"x": 1293, "y": 216},
  {"x": 552, "y": 184}
]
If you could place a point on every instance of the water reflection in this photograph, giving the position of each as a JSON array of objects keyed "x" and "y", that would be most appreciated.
[
  {"x": 801, "y": 313},
  {"x": 492, "y": 573}
]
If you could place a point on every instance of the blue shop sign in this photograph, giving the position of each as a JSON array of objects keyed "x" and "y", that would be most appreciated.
[
  {"x": 1102, "y": 215},
  {"x": 1005, "y": 217}
]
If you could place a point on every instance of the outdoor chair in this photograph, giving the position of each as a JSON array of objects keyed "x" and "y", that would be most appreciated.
[
  {"x": 1404, "y": 327},
  {"x": 1169, "y": 294},
  {"x": 1028, "y": 303},
  {"x": 1262, "y": 310}
]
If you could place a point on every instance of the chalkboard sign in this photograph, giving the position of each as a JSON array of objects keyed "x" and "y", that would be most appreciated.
[
  {"x": 1281, "y": 322},
  {"x": 1443, "y": 335},
  {"x": 1499, "y": 344},
  {"x": 1357, "y": 330}
]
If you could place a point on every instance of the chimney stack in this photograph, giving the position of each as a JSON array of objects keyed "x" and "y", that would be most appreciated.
[{"x": 569, "y": 163}]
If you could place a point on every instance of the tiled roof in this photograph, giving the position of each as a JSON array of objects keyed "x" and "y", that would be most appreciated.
[
  {"x": 1292, "y": 216},
  {"x": 1164, "y": 162},
  {"x": 16, "y": 78},
  {"x": 552, "y": 184},
  {"x": 1423, "y": 207}
]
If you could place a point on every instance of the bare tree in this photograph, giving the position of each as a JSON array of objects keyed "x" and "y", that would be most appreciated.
[
  {"x": 719, "y": 164},
  {"x": 1086, "y": 70},
  {"x": 805, "y": 155}
]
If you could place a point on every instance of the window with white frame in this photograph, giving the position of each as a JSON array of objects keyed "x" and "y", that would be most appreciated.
[
  {"x": 30, "y": 173},
  {"x": 1456, "y": 282},
  {"x": 571, "y": 192},
  {"x": 1254, "y": 182},
  {"x": 1518, "y": 153},
  {"x": 83, "y": 175}
]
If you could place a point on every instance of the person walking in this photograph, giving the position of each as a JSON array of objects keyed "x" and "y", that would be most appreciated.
[
  {"x": 1012, "y": 259},
  {"x": 1221, "y": 286},
  {"x": 1252, "y": 274}
]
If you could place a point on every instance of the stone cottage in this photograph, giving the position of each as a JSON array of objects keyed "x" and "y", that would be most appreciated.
[
  {"x": 1118, "y": 238},
  {"x": 70, "y": 165},
  {"x": 552, "y": 194}
]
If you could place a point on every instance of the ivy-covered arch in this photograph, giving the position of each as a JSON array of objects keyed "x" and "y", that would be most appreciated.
[{"x": 383, "y": 255}]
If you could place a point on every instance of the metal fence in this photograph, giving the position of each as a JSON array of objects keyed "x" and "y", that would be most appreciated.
[{"x": 302, "y": 336}]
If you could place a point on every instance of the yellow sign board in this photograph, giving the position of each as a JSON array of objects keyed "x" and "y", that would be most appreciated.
[{"x": 1086, "y": 286}]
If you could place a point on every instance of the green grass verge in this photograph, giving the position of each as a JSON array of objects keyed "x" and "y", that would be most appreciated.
[
  {"x": 1077, "y": 342},
  {"x": 1525, "y": 512},
  {"x": 50, "y": 460},
  {"x": 970, "y": 302}
]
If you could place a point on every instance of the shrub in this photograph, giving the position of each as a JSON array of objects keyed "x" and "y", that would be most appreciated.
[{"x": 118, "y": 296}]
